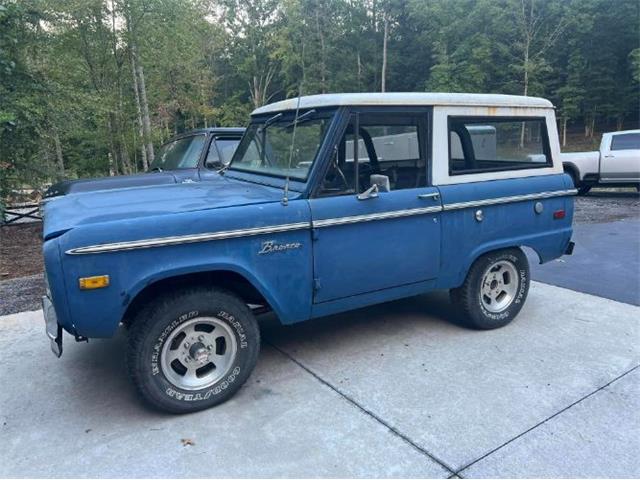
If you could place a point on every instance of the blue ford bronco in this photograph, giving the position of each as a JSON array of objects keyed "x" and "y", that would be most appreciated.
[{"x": 330, "y": 203}]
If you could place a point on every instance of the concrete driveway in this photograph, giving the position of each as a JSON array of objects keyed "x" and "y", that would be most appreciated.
[{"x": 398, "y": 390}]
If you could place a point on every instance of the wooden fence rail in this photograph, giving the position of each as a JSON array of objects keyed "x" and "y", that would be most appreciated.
[{"x": 21, "y": 213}]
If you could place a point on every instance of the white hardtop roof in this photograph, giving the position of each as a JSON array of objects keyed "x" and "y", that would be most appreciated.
[{"x": 405, "y": 99}]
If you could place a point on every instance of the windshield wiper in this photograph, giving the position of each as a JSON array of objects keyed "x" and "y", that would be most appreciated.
[
  {"x": 305, "y": 117},
  {"x": 271, "y": 120}
]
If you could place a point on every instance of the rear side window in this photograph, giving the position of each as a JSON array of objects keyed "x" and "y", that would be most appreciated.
[
  {"x": 490, "y": 144},
  {"x": 627, "y": 141}
]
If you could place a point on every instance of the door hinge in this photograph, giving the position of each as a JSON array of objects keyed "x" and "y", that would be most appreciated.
[
  {"x": 315, "y": 233},
  {"x": 316, "y": 284}
]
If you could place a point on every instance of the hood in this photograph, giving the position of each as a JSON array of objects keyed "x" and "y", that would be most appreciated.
[
  {"x": 107, "y": 183},
  {"x": 66, "y": 212}
]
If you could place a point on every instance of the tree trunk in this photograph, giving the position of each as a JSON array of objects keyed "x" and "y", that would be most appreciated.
[
  {"x": 113, "y": 145},
  {"x": 385, "y": 37},
  {"x": 323, "y": 61},
  {"x": 143, "y": 150},
  {"x": 146, "y": 122},
  {"x": 56, "y": 141},
  {"x": 564, "y": 131},
  {"x": 526, "y": 88},
  {"x": 359, "y": 72},
  {"x": 112, "y": 172}
]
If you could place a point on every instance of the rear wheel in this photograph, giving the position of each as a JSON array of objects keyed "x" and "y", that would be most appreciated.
[
  {"x": 192, "y": 350},
  {"x": 495, "y": 289}
]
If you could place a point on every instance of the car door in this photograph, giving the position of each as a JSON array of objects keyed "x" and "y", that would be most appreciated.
[
  {"x": 366, "y": 241},
  {"x": 620, "y": 158}
]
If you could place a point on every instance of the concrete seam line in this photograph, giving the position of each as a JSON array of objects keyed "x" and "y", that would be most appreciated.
[
  {"x": 491, "y": 452},
  {"x": 367, "y": 412}
]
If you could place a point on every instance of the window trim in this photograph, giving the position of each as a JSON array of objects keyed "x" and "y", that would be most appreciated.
[
  {"x": 424, "y": 117},
  {"x": 546, "y": 147}
]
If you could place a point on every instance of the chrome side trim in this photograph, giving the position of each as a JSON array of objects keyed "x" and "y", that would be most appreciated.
[
  {"x": 514, "y": 198},
  {"x": 249, "y": 232},
  {"x": 329, "y": 222},
  {"x": 178, "y": 240}
]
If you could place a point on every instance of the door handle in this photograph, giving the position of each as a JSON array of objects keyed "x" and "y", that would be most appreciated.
[{"x": 434, "y": 195}]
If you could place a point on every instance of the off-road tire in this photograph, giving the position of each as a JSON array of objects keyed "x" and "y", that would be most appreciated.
[
  {"x": 152, "y": 326},
  {"x": 467, "y": 297}
]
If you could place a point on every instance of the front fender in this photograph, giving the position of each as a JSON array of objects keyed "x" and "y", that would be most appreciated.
[{"x": 283, "y": 278}]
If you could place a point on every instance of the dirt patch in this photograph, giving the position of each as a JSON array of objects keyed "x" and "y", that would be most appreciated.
[{"x": 20, "y": 250}]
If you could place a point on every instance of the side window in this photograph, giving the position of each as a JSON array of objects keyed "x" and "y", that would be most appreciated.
[
  {"x": 220, "y": 152},
  {"x": 226, "y": 148},
  {"x": 213, "y": 160},
  {"x": 389, "y": 145},
  {"x": 491, "y": 144},
  {"x": 627, "y": 141}
]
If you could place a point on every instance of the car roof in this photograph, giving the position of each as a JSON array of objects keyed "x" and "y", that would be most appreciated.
[
  {"x": 234, "y": 131},
  {"x": 405, "y": 99},
  {"x": 623, "y": 132}
]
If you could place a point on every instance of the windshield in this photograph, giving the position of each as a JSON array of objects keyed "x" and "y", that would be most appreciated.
[
  {"x": 267, "y": 149},
  {"x": 182, "y": 153}
]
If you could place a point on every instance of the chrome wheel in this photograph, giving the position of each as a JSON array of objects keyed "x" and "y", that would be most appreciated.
[
  {"x": 499, "y": 286},
  {"x": 198, "y": 353}
]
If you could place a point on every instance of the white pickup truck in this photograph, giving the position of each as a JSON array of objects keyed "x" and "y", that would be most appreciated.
[{"x": 616, "y": 164}]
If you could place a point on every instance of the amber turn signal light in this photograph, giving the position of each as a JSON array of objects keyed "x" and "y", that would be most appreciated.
[{"x": 91, "y": 283}]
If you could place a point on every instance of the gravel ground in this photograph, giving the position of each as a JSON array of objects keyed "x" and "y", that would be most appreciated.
[
  {"x": 603, "y": 206},
  {"x": 23, "y": 293}
]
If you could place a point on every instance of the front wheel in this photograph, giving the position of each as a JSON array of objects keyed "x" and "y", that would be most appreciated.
[
  {"x": 495, "y": 289},
  {"x": 192, "y": 350}
]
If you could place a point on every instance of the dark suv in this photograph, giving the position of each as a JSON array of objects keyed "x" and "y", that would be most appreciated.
[{"x": 191, "y": 157}]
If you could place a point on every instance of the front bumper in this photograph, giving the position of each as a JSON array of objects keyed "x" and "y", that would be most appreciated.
[{"x": 52, "y": 327}]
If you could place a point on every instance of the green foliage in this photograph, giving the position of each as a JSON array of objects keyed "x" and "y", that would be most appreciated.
[{"x": 67, "y": 91}]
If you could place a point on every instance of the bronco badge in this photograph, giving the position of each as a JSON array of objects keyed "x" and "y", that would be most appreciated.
[{"x": 270, "y": 246}]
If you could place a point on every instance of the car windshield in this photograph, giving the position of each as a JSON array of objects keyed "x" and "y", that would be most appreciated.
[
  {"x": 182, "y": 153},
  {"x": 267, "y": 146}
]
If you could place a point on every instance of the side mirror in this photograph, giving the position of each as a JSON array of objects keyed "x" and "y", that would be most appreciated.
[
  {"x": 371, "y": 192},
  {"x": 382, "y": 181}
]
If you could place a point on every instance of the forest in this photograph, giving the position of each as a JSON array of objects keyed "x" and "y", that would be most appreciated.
[{"x": 93, "y": 87}]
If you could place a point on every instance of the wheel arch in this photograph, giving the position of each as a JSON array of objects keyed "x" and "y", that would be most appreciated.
[
  {"x": 571, "y": 169},
  {"x": 229, "y": 278}
]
